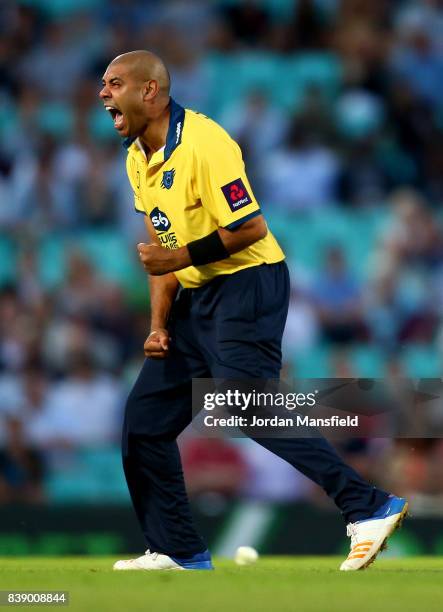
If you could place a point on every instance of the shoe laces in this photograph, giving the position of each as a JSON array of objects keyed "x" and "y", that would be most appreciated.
[
  {"x": 351, "y": 531},
  {"x": 153, "y": 555}
]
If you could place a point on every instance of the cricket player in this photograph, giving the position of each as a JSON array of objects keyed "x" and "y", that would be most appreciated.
[{"x": 219, "y": 290}]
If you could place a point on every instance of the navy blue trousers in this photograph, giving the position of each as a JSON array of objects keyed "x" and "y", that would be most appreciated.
[{"x": 230, "y": 328}]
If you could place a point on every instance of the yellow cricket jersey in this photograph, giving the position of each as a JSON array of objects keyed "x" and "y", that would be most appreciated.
[{"x": 194, "y": 185}]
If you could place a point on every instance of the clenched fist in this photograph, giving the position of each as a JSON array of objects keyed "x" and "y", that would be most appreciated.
[
  {"x": 157, "y": 261},
  {"x": 157, "y": 344}
]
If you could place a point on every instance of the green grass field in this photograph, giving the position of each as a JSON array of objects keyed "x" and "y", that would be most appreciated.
[{"x": 274, "y": 584}]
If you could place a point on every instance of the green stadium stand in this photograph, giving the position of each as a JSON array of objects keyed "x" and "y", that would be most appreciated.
[
  {"x": 421, "y": 361},
  {"x": 101, "y": 126},
  {"x": 367, "y": 361},
  {"x": 91, "y": 475},
  {"x": 313, "y": 363},
  {"x": 57, "y": 119},
  {"x": 62, "y": 8},
  {"x": 318, "y": 68},
  {"x": 8, "y": 257},
  {"x": 284, "y": 78},
  {"x": 107, "y": 250},
  {"x": 305, "y": 237},
  {"x": 110, "y": 254}
]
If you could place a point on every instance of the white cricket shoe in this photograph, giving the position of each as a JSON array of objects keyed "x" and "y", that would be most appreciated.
[
  {"x": 369, "y": 536},
  {"x": 148, "y": 561},
  {"x": 157, "y": 561}
]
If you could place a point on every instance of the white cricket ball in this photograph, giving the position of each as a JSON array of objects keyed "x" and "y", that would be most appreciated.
[{"x": 245, "y": 555}]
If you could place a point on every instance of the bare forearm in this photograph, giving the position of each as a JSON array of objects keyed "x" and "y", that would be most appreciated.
[
  {"x": 247, "y": 234},
  {"x": 234, "y": 242},
  {"x": 163, "y": 290},
  {"x": 159, "y": 261}
]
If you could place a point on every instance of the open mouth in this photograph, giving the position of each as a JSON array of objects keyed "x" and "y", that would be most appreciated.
[{"x": 117, "y": 116}]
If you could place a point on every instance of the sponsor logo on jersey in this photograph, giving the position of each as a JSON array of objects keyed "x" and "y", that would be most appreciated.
[
  {"x": 236, "y": 194},
  {"x": 159, "y": 220}
]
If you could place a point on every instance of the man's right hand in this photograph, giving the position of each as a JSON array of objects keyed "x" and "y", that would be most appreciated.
[{"x": 157, "y": 344}]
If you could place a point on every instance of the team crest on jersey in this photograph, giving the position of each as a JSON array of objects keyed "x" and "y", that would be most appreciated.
[
  {"x": 168, "y": 178},
  {"x": 159, "y": 220}
]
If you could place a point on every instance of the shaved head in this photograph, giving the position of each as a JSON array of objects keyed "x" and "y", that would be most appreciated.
[
  {"x": 136, "y": 91},
  {"x": 144, "y": 66}
]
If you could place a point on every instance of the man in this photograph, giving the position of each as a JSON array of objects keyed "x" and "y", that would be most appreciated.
[{"x": 208, "y": 237}]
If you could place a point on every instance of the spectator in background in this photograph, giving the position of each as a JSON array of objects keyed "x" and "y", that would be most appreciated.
[
  {"x": 87, "y": 310},
  {"x": 11, "y": 397},
  {"x": 33, "y": 409},
  {"x": 336, "y": 298},
  {"x": 83, "y": 291},
  {"x": 417, "y": 60},
  {"x": 191, "y": 81},
  {"x": 402, "y": 294},
  {"x": 248, "y": 22},
  {"x": 303, "y": 175},
  {"x": 425, "y": 13},
  {"x": 413, "y": 236},
  {"x": 29, "y": 286},
  {"x": 213, "y": 466},
  {"x": 14, "y": 334},
  {"x": 362, "y": 38},
  {"x": 53, "y": 199},
  {"x": 259, "y": 128},
  {"x": 65, "y": 334},
  {"x": 99, "y": 205},
  {"x": 413, "y": 472},
  {"x": 374, "y": 161},
  {"x": 364, "y": 180},
  {"x": 302, "y": 329},
  {"x": 387, "y": 310},
  {"x": 24, "y": 110},
  {"x": 56, "y": 65},
  {"x": 21, "y": 467},
  {"x": 412, "y": 120},
  {"x": 270, "y": 478},
  {"x": 433, "y": 168},
  {"x": 307, "y": 28},
  {"x": 85, "y": 408}
]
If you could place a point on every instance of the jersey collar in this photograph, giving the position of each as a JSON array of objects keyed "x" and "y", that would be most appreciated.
[
  {"x": 175, "y": 131},
  {"x": 174, "y": 135}
]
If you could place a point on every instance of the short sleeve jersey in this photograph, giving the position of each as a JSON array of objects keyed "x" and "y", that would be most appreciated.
[{"x": 194, "y": 185}]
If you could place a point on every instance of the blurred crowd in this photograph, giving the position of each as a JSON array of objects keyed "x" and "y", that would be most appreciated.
[{"x": 338, "y": 108}]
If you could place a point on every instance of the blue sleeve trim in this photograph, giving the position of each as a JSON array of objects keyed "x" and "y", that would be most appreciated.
[
  {"x": 140, "y": 212},
  {"x": 235, "y": 224}
]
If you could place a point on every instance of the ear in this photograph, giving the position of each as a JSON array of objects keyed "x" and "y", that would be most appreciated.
[{"x": 150, "y": 89}]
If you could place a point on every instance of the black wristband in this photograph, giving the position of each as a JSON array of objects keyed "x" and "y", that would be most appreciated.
[{"x": 207, "y": 250}]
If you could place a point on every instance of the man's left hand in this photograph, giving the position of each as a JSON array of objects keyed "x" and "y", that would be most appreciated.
[{"x": 157, "y": 261}]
